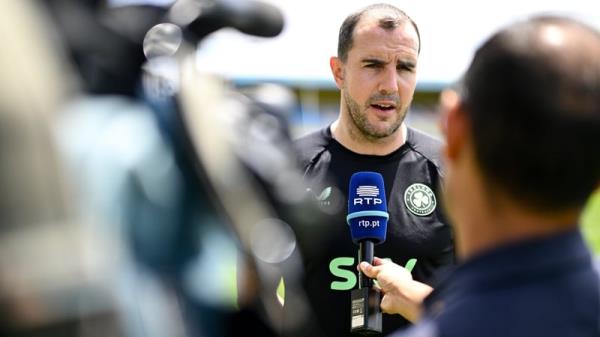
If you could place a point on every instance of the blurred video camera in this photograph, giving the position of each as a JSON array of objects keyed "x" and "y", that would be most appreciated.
[{"x": 194, "y": 180}]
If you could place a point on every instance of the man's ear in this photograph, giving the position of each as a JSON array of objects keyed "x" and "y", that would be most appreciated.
[
  {"x": 337, "y": 69},
  {"x": 453, "y": 123}
]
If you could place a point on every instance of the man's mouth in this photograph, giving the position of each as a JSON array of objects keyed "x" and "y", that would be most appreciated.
[{"x": 384, "y": 107}]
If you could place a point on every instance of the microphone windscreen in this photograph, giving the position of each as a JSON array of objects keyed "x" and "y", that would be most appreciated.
[
  {"x": 254, "y": 17},
  {"x": 367, "y": 207}
]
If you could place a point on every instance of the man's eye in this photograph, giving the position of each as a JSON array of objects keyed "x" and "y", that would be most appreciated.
[
  {"x": 405, "y": 67},
  {"x": 372, "y": 65}
]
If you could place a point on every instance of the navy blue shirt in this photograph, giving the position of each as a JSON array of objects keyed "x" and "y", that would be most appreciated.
[{"x": 544, "y": 287}]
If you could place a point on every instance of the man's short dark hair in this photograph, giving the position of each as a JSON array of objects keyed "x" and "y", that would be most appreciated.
[
  {"x": 534, "y": 108},
  {"x": 390, "y": 22}
]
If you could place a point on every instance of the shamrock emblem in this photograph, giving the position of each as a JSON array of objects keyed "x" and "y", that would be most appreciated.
[{"x": 420, "y": 199}]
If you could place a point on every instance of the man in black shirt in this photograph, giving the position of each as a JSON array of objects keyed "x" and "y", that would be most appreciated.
[{"x": 375, "y": 71}]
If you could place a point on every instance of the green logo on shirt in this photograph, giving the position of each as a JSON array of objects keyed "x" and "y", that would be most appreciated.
[{"x": 343, "y": 268}]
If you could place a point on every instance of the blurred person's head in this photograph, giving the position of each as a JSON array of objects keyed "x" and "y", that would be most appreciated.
[
  {"x": 522, "y": 133},
  {"x": 375, "y": 69}
]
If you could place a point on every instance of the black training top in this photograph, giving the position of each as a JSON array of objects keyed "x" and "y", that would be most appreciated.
[{"x": 416, "y": 229}]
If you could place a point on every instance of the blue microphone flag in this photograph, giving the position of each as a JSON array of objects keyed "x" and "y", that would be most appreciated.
[{"x": 367, "y": 207}]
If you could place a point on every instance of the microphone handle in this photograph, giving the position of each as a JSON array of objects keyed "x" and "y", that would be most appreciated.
[{"x": 366, "y": 252}]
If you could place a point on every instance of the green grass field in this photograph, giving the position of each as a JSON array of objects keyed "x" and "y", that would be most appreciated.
[{"x": 591, "y": 222}]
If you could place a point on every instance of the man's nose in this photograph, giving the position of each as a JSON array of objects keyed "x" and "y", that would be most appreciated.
[{"x": 388, "y": 83}]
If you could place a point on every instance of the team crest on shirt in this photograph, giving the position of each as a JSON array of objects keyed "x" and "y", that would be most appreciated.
[{"x": 420, "y": 199}]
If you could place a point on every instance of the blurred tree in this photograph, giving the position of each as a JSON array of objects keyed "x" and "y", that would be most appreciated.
[{"x": 590, "y": 221}]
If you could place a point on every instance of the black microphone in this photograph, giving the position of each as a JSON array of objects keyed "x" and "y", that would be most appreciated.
[
  {"x": 248, "y": 16},
  {"x": 254, "y": 17},
  {"x": 367, "y": 218}
]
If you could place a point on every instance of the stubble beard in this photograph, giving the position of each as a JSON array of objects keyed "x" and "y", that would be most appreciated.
[{"x": 359, "y": 118}]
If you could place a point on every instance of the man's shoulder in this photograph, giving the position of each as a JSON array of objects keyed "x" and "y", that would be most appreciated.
[
  {"x": 310, "y": 145},
  {"x": 314, "y": 139},
  {"x": 425, "y": 145}
]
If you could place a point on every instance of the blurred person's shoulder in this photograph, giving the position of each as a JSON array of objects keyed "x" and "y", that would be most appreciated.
[
  {"x": 427, "y": 146},
  {"x": 425, "y": 328}
]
